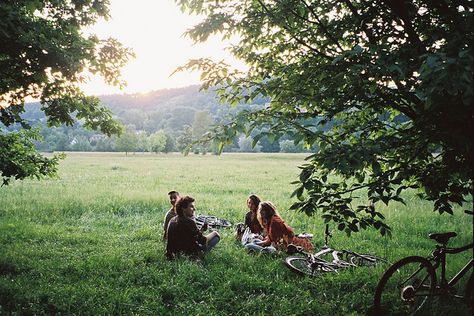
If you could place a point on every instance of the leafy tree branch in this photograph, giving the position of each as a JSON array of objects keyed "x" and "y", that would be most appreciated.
[{"x": 381, "y": 89}]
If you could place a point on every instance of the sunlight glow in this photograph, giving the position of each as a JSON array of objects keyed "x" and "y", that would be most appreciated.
[{"x": 154, "y": 30}]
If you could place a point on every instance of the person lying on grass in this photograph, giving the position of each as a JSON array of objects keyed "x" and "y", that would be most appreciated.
[
  {"x": 278, "y": 234},
  {"x": 184, "y": 236},
  {"x": 174, "y": 196}
]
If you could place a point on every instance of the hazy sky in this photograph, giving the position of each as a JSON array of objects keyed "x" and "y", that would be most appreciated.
[{"x": 154, "y": 30}]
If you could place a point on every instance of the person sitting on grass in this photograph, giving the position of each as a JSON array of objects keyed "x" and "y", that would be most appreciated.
[
  {"x": 278, "y": 234},
  {"x": 251, "y": 220},
  {"x": 251, "y": 228},
  {"x": 174, "y": 196},
  {"x": 184, "y": 236},
  {"x": 275, "y": 228}
]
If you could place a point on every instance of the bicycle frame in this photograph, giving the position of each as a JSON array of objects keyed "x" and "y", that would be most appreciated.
[
  {"x": 326, "y": 249},
  {"x": 334, "y": 252},
  {"x": 323, "y": 251},
  {"x": 439, "y": 257},
  {"x": 315, "y": 261},
  {"x": 335, "y": 263},
  {"x": 414, "y": 279}
]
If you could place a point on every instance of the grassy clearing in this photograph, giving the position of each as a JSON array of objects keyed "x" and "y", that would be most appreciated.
[{"x": 90, "y": 242}]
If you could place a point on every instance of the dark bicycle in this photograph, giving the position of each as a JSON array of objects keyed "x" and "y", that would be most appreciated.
[
  {"x": 408, "y": 284},
  {"x": 212, "y": 221}
]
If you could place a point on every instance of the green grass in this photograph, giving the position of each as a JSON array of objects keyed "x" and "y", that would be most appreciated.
[{"x": 90, "y": 241}]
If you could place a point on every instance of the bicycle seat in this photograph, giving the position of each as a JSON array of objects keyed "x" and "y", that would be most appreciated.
[{"x": 442, "y": 238}]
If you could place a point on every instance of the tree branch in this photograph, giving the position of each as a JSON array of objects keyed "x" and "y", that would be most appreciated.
[
  {"x": 277, "y": 22},
  {"x": 317, "y": 22},
  {"x": 400, "y": 10},
  {"x": 367, "y": 32}
]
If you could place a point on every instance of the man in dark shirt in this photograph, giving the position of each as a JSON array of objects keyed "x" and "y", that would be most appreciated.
[
  {"x": 183, "y": 234},
  {"x": 174, "y": 196}
]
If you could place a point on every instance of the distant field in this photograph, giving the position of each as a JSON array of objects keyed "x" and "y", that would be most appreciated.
[{"x": 90, "y": 241}]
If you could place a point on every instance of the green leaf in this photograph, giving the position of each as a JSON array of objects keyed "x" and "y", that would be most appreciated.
[
  {"x": 376, "y": 115},
  {"x": 375, "y": 167},
  {"x": 298, "y": 192}
]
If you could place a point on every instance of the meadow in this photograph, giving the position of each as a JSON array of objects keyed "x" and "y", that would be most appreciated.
[{"x": 90, "y": 242}]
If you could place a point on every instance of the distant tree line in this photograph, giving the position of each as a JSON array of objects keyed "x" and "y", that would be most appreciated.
[{"x": 161, "y": 122}]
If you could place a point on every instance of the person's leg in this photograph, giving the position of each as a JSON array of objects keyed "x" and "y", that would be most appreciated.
[
  {"x": 253, "y": 247},
  {"x": 212, "y": 243},
  {"x": 269, "y": 249},
  {"x": 257, "y": 241}
]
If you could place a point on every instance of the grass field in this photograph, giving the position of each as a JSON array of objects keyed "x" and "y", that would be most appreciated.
[{"x": 89, "y": 243}]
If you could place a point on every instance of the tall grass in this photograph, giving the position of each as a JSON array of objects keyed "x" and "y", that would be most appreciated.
[{"x": 90, "y": 241}]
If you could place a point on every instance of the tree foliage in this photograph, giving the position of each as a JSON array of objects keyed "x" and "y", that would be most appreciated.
[
  {"x": 185, "y": 140},
  {"x": 19, "y": 159},
  {"x": 389, "y": 82},
  {"x": 201, "y": 124},
  {"x": 158, "y": 141},
  {"x": 44, "y": 54},
  {"x": 245, "y": 144},
  {"x": 127, "y": 142}
]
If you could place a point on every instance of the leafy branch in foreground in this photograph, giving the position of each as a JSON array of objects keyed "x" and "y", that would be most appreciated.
[
  {"x": 45, "y": 55},
  {"x": 19, "y": 159},
  {"x": 383, "y": 89}
]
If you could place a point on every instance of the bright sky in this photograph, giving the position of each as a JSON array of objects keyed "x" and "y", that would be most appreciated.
[{"x": 154, "y": 30}]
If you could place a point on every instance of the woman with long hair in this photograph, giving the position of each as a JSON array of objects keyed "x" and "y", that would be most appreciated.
[
  {"x": 278, "y": 234},
  {"x": 251, "y": 220}
]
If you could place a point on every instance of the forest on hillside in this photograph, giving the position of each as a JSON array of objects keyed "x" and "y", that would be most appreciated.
[{"x": 166, "y": 120}]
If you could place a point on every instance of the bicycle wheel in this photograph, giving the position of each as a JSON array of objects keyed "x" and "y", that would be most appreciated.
[
  {"x": 405, "y": 287},
  {"x": 302, "y": 266},
  {"x": 365, "y": 260}
]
